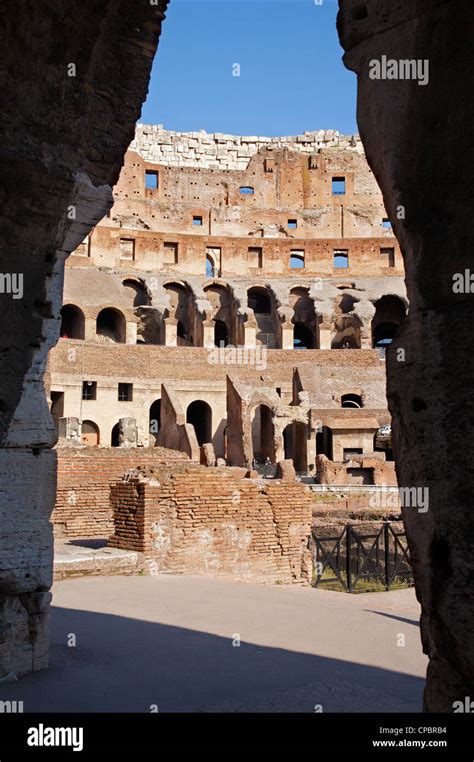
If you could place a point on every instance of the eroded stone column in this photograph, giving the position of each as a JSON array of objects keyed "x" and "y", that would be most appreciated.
[
  {"x": 417, "y": 135},
  {"x": 73, "y": 76}
]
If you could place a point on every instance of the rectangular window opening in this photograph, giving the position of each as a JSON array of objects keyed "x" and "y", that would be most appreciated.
[
  {"x": 170, "y": 254},
  {"x": 89, "y": 390},
  {"x": 125, "y": 392},
  {"x": 127, "y": 249},
  {"x": 297, "y": 259},
  {"x": 197, "y": 220},
  {"x": 338, "y": 186},
  {"x": 255, "y": 256},
  {"x": 388, "y": 256},
  {"x": 151, "y": 179},
  {"x": 341, "y": 258},
  {"x": 292, "y": 223},
  {"x": 386, "y": 223}
]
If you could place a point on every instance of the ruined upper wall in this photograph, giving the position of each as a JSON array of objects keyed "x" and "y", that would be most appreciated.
[
  {"x": 313, "y": 186},
  {"x": 219, "y": 151}
]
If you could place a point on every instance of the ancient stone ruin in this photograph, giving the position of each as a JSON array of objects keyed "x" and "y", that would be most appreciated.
[{"x": 225, "y": 314}]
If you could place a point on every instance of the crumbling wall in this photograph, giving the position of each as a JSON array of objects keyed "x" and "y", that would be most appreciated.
[
  {"x": 73, "y": 79},
  {"x": 82, "y": 507},
  {"x": 212, "y": 521}
]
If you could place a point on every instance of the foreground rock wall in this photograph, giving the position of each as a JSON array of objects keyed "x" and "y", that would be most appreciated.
[
  {"x": 73, "y": 77},
  {"x": 419, "y": 145}
]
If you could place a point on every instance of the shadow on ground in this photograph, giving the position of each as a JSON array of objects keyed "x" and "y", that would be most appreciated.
[{"x": 128, "y": 665}]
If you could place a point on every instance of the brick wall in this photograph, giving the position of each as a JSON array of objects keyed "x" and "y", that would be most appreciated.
[
  {"x": 208, "y": 521},
  {"x": 84, "y": 477}
]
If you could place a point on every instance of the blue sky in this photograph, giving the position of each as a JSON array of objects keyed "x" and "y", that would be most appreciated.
[{"x": 291, "y": 74}]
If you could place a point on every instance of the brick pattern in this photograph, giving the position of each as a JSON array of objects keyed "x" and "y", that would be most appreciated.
[
  {"x": 84, "y": 477},
  {"x": 207, "y": 521}
]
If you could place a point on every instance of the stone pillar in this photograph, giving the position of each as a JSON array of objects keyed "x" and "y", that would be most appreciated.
[
  {"x": 170, "y": 326},
  {"x": 250, "y": 335},
  {"x": 418, "y": 144},
  {"x": 325, "y": 334},
  {"x": 287, "y": 335},
  {"x": 90, "y": 332},
  {"x": 131, "y": 332},
  {"x": 61, "y": 153},
  {"x": 366, "y": 335},
  {"x": 208, "y": 334}
]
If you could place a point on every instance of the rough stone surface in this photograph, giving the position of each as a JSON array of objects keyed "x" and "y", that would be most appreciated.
[
  {"x": 418, "y": 143},
  {"x": 73, "y": 78},
  {"x": 215, "y": 522}
]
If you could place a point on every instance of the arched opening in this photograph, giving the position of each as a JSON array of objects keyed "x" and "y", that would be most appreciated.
[
  {"x": 324, "y": 442},
  {"x": 199, "y": 414},
  {"x": 90, "y": 434},
  {"x": 115, "y": 436},
  {"x": 110, "y": 325},
  {"x": 351, "y": 400},
  {"x": 137, "y": 292},
  {"x": 346, "y": 304},
  {"x": 294, "y": 442},
  {"x": 346, "y": 333},
  {"x": 263, "y": 436},
  {"x": 222, "y": 312},
  {"x": 390, "y": 312},
  {"x": 305, "y": 319},
  {"x": 259, "y": 301},
  {"x": 72, "y": 322},
  {"x": 383, "y": 442},
  {"x": 154, "y": 421},
  {"x": 210, "y": 267},
  {"x": 221, "y": 334},
  {"x": 182, "y": 308},
  {"x": 302, "y": 337}
]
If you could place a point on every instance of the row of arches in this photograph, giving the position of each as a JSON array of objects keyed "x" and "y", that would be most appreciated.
[
  {"x": 111, "y": 323},
  {"x": 198, "y": 414}
]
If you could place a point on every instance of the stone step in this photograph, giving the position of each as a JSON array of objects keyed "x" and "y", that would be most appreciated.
[{"x": 82, "y": 562}]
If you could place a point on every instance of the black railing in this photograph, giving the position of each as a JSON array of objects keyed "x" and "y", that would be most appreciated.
[
  {"x": 362, "y": 561},
  {"x": 266, "y": 470}
]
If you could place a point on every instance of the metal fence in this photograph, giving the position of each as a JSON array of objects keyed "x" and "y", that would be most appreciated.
[
  {"x": 362, "y": 561},
  {"x": 266, "y": 470}
]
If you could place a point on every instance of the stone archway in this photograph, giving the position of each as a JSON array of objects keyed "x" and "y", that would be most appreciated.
[
  {"x": 435, "y": 235},
  {"x": 58, "y": 168},
  {"x": 431, "y": 378}
]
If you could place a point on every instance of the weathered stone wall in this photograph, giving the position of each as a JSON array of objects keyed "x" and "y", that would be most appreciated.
[
  {"x": 216, "y": 150},
  {"x": 419, "y": 146},
  {"x": 210, "y": 521},
  {"x": 73, "y": 79},
  {"x": 191, "y": 374}
]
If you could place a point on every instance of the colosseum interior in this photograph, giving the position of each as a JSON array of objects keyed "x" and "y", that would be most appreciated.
[
  {"x": 227, "y": 311},
  {"x": 235, "y": 304}
]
